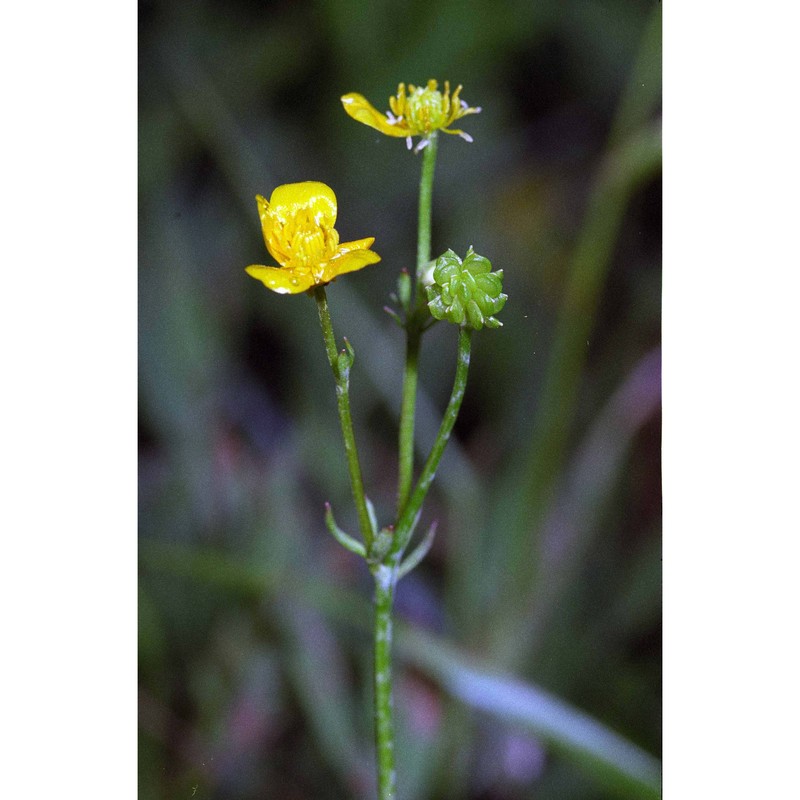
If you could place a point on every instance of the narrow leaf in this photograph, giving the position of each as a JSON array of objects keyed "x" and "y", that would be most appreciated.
[{"x": 344, "y": 539}]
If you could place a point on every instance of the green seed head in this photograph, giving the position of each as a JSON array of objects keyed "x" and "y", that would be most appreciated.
[{"x": 466, "y": 292}]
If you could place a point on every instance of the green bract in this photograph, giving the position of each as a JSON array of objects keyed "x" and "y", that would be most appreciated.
[{"x": 466, "y": 292}]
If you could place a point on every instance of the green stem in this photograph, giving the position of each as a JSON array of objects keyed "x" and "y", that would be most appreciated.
[
  {"x": 413, "y": 330},
  {"x": 425, "y": 205},
  {"x": 407, "y": 419},
  {"x": 384, "y": 704},
  {"x": 342, "y": 377},
  {"x": 405, "y": 524}
]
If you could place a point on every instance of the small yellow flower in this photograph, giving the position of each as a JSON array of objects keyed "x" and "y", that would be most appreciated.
[
  {"x": 418, "y": 112},
  {"x": 297, "y": 223}
]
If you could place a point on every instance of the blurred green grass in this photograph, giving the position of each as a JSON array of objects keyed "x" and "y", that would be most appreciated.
[{"x": 547, "y": 565}]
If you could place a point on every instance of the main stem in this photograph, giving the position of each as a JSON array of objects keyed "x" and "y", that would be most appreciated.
[
  {"x": 342, "y": 379},
  {"x": 385, "y": 576},
  {"x": 382, "y": 681},
  {"x": 413, "y": 328}
]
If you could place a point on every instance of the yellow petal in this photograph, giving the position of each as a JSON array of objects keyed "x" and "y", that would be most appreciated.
[
  {"x": 358, "y": 244},
  {"x": 311, "y": 197},
  {"x": 349, "y": 262},
  {"x": 266, "y": 220},
  {"x": 282, "y": 281},
  {"x": 361, "y": 110}
]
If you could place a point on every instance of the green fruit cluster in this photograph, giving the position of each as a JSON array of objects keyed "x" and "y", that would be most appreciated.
[{"x": 466, "y": 292}]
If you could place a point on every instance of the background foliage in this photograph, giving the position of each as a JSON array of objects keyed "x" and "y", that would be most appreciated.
[{"x": 542, "y": 593}]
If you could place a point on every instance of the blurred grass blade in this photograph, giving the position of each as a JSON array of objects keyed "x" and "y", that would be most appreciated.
[
  {"x": 205, "y": 110},
  {"x": 575, "y": 515},
  {"x": 618, "y": 763},
  {"x": 318, "y": 671},
  {"x": 624, "y": 170},
  {"x": 633, "y": 158},
  {"x": 629, "y": 163},
  {"x": 643, "y": 91}
]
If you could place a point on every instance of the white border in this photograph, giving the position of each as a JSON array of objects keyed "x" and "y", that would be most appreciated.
[
  {"x": 730, "y": 400},
  {"x": 68, "y": 333}
]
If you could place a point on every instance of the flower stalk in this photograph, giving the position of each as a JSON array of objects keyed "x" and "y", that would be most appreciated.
[
  {"x": 408, "y": 405},
  {"x": 425, "y": 211},
  {"x": 340, "y": 366},
  {"x": 414, "y": 327},
  {"x": 408, "y": 517}
]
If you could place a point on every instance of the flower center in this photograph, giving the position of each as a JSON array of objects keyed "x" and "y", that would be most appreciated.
[
  {"x": 305, "y": 244},
  {"x": 425, "y": 110}
]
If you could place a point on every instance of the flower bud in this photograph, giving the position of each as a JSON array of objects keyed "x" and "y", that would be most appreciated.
[
  {"x": 381, "y": 544},
  {"x": 466, "y": 292}
]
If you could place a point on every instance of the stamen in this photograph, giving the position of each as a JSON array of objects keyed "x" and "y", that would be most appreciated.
[
  {"x": 408, "y": 143},
  {"x": 465, "y": 136},
  {"x": 422, "y": 145}
]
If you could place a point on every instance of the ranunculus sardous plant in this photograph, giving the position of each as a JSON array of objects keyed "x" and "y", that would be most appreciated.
[{"x": 298, "y": 226}]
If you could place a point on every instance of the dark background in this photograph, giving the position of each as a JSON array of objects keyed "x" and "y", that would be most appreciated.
[{"x": 254, "y": 648}]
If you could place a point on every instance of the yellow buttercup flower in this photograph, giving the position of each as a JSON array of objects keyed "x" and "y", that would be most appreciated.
[
  {"x": 418, "y": 112},
  {"x": 297, "y": 223}
]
